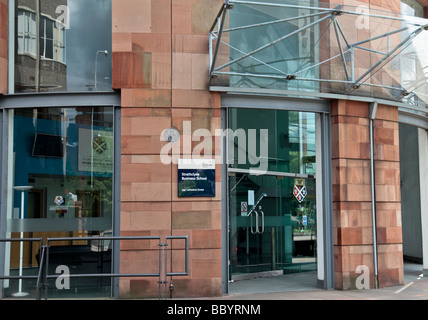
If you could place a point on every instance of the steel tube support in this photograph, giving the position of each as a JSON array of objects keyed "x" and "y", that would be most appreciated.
[
  {"x": 273, "y": 42},
  {"x": 340, "y": 48},
  {"x": 373, "y": 108},
  {"x": 220, "y": 32},
  {"x": 402, "y": 43}
]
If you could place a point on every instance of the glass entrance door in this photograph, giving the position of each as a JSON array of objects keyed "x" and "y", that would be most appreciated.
[
  {"x": 272, "y": 196},
  {"x": 272, "y": 225}
]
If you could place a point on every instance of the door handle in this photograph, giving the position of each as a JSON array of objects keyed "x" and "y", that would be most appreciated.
[
  {"x": 256, "y": 229},
  {"x": 263, "y": 223}
]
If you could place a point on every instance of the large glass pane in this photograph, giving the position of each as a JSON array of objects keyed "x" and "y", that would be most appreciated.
[
  {"x": 272, "y": 211},
  {"x": 410, "y": 193},
  {"x": 278, "y": 59},
  {"x": 279, "y": 233},
  {"x": 303, "y": 46},
  {"x": 65, "y": 158},
  {"x": 272, "y": 140},
  {"x": 63, "y": 45},
  {"x": 412, "y": 8}
]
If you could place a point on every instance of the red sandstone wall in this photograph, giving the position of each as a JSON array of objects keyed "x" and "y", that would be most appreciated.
[
  {"x": 388, "y": 196},
  {"x": 352, "y": 211},
  {"x": 160, "y": 64},
  {"x": 3, "y": 46},
  {"x": 352, "y": 194}
]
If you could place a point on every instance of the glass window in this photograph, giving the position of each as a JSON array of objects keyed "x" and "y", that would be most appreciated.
[
  {"x": 323, "y": 47},
  {"x": 65, "y": 158},
  {"x": 279, "y": 234},
  {"x": 412, "y": 8},
  {"x": 63, "y": 46},
  {"x": 412, "y": 62},
  {"x": 46, "y": 38},
  {"x": 410, "y": 192},
  {"x": 276, "y": 60},
  {"x": 26, "y": 34},
  {"x": 273, "y": 140},
  {"x": 272, "y": 215}
]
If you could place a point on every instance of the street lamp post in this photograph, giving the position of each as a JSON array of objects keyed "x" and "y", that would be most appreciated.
[{"x": 96, "y": 60}]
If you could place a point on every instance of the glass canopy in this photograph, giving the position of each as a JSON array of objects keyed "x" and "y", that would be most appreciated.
[{"x": 309, "y": 46}]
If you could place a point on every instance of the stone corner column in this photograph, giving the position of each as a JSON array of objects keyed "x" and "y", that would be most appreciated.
[
  {"x": 388, "y": 197},
  {"x": 353, "y": 236},
  {"x": 352, "y": 199}
]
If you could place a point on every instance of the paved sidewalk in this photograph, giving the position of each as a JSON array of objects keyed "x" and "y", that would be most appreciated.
[{"x": 414, "y": 290}]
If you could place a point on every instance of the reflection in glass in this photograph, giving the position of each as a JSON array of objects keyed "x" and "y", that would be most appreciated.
[
  {"x": 272, "y": 215},
  {"x": 279, "y": 60},
  {"x": 291, "y": 140},
  {"x": 280, "y": 234},
  {"x": 313, "y": 46},
  {"x": 66, "y": 156},
  {"x": 57, "y": 41},
  {"x": 412, "y": 61}
]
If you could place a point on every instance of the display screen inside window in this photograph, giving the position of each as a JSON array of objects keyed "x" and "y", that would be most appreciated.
[{"x": 62, "y": 46}]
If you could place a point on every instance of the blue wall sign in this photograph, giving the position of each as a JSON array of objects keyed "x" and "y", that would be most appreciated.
[{"x": 196, "y": 178}]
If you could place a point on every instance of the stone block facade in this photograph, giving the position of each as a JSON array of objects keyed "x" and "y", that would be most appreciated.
[
  {"x": 352, "y": 204},
  {"x": 3, "y": 46},
  {"x": 160, "y": 64}
]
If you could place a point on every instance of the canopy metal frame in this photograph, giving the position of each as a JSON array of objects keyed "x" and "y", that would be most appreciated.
[{"x": 352, "y": 83}]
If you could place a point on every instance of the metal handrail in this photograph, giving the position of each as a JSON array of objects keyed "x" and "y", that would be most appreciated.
[
  {"x": 101, "y": 238},
  {"x": 2, "y": 277},
  {"x": 99, "y": 275},
  {"x": 186, "y": 252},
  {"x": 44, "y": 262},
  {"x": 166, "y": 274},
  {"x": 20, "y": 277},
  {"x": 39, "y": 277}
]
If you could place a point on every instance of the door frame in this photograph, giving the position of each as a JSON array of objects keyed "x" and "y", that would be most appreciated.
[
  {"x": 321, "y": 108},
  {"x": 275, "y": 174}
]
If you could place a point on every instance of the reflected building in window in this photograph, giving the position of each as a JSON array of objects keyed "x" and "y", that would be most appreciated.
[
  {"x": 54, "y": 50},
  {"x": 41, "y": 53}
]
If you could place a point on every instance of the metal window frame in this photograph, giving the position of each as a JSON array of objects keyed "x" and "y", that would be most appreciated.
[
  {"x": 333, "y": 10},
  {"x": 60, "y": 100},
  {"x": 311, "y": 96},
  {"x": 320, "y": 108},
  {"x": 10, "y": 102}
]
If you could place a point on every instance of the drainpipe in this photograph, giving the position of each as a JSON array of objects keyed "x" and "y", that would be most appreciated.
[{"x": 373, "y": 108}]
